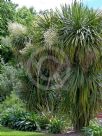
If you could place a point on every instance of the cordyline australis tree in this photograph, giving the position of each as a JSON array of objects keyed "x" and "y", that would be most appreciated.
[
  {"x": 79, "y": 32},
  {"x": 79, "y": 35}
]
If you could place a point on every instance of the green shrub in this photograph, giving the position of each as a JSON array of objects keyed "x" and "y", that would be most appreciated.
[
  {"x": 93, "y": 131},
  {"x": 55, "y": 126},
  {"x": 12, "y": 102},
  {"x": 6, "y": 53},
  {"x": 8, "y": 80},
  {"x": 21, "y": 120},
  {"x": 87, "y": 131},
  {"x": 97, "y": 130},
  {"x": 10, "y": 116},
  {"x": 18, "y": 120},
  {"x": 25, "y": 125},
  {"x": 43, "y": 122}
]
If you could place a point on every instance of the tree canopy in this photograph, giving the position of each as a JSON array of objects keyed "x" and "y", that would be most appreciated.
[{"x": 7, "y": 13}]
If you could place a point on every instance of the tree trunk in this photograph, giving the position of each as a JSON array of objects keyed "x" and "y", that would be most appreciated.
[{"x": 80, "y": 123}]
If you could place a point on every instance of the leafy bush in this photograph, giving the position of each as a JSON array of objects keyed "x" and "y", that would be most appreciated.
[
  {"x": 21, "y": 120},
  {"x": 55, "y": 126},
  {"x": 18, "y": 120},
  {"x": 6, "y": 53},
  {"x": 8, "y": 80},
  {"x": 18, "y": 35},
  {"x": 95, "y": 130},
  {"x": 9, "y": 117},
  {"x": 25, "y": 125},
  {"x": 43, "y": 122},
  {"x": 12, "y": 101},
  {"x": 87, "y": 131}
]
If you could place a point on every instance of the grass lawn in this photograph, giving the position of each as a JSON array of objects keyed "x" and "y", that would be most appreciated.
[{"x": 9, "y": 132}]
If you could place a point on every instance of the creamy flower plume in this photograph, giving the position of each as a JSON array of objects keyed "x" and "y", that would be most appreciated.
[
  {"x": 50, "y": 37},
  {"x": 16, "y": 28}
]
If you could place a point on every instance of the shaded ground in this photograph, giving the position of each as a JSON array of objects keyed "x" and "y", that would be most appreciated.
[{"x": 69, "y": 134}]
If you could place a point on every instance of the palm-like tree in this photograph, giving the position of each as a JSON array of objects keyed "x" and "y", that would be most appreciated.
[{"x": 79, "y": 32}]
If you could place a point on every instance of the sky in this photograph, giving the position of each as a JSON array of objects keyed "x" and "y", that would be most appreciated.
[{"x": 48, "y": 4}]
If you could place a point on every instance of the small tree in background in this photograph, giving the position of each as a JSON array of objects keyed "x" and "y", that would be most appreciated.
[{"x": 7, "y": 13}]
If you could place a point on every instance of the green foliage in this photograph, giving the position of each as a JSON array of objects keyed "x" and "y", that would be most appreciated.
[
  {"x": 55, "y": 126},
  {"x": 26, "y": 91},
  {"x": 87, "y": 131},
  {"x": 43, "y": 122},
  {"x": 12, "y": 101},
  {"x": 7, "y": 13},
  {"x": 94, "y": 128},
  {"x": 25, "y": 16},
  {"x": 80, "y": 34},
  {"x": 18, "y": 35},
  {"x": 6, "y": 53},
  {"x": 42, "y": 101},
  {"x": 93, "y": 131},
  {"x": 7, "y": 80},
  {"x": 97, "y": 130},
  {"x": 19, "y": 42},
  {"x": 18, "y": 120}
]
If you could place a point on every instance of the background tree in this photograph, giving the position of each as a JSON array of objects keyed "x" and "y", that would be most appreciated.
[
  {"x": 7, "y": 13},
  {"x": 25, "y": 16}
]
